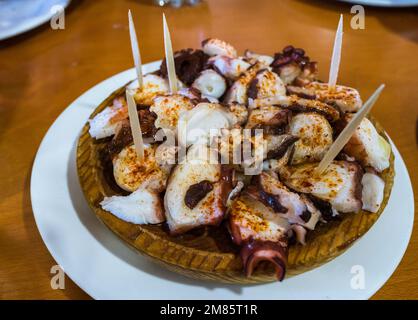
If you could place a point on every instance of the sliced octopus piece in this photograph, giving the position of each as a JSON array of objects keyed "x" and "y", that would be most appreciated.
[
  {"x": 339, "y": 184},
  {"x": 297, "y": 104},
  {"x": 109, "y": 121},
  {"x": 105, "y": 123},
  {"x": 206, "y": 118},
  {"x": 373, "y": 192},
  {"x": 302, "y": 92},
  {"x": 140, "y": 207},
  {"x": 274, "y": 194},
  {"x": 325, "y": 208},
  {"x": 260, "y": 233},
  {"x": 367, "y": 146},
  {"x": 272, "y": 119},
  {"x": 188, "y": 64},
  {"x": 196, "y": 192},
  {"x": 315, "y": 137},
  {"x": 240, "y": 111},
  {"x": 168, "y": 110},
  {"x": 210, "y": 83},
  {"x": 123, "y": 132},
  {"x": 253, "y": 58},
  {"x": 278, "y": 145},
  {"x": 277, "y": 163},
  {"x": 262, "y": 147},
  {"x": 294, "y": 67},
  {"x": 238, "y": 91},
  {"x": 132, "y": 173},
  {"x": 229, "y": 145},
  {"x": 266, "y": 84},
  {"x": 192, "y": 93},
  {"x": 241, "y": 149},
  {"x": 121, "y": 139},
  {"x": 152, "y": 86},
  {"x": 347, "y": 99},
  {"x": 209, "y": 99},
  {"x": 230, "y": 68},
  {"x": 215, "y": 47}
]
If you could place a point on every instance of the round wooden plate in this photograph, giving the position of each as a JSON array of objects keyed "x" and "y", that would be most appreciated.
[{"x": 209, "y": 253}]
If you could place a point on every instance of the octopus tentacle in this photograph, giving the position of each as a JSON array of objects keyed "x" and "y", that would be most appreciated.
[{"x": 255, "y": 251}]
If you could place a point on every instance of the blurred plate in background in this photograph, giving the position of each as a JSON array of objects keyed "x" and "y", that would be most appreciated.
[
  {"x": 18, "y": 16},
  {"x": 385, "y": 3}
]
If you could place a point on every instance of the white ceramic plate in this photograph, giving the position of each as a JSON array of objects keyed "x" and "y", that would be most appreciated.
[
  {"x": 103, "y": 266},
  {"x": 385, "y": 3},
  {"x": 18, "y": 16}
]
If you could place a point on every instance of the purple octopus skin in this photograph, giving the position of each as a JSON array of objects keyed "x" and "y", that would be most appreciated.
[{"x": 255, "y": 251}]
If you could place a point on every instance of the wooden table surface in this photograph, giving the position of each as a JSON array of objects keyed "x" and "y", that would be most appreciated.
[{"x": 43, "y": 71}]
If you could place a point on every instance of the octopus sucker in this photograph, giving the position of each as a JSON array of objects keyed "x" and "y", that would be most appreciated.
[{"x": 210, "y": 83}]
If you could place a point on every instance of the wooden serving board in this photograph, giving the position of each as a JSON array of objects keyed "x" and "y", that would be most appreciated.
[{"x": 209, "y": 253}]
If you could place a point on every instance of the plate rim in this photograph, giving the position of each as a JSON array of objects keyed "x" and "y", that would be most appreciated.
[
  {"x": 410, "y": 3},
  {"x": 35, "y": 22}
]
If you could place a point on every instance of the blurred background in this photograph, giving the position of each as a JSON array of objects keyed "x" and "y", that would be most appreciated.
[{"x": 44, "y": 66}]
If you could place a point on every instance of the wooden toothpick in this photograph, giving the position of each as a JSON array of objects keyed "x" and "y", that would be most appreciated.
[
  {"x": 136, "y": 54},
  {"x": 169, "y": 59},
  {"x": 348, "y": 131},
  {"x": 135, "y": 125},
  {"x": 336, "y": 56}
]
